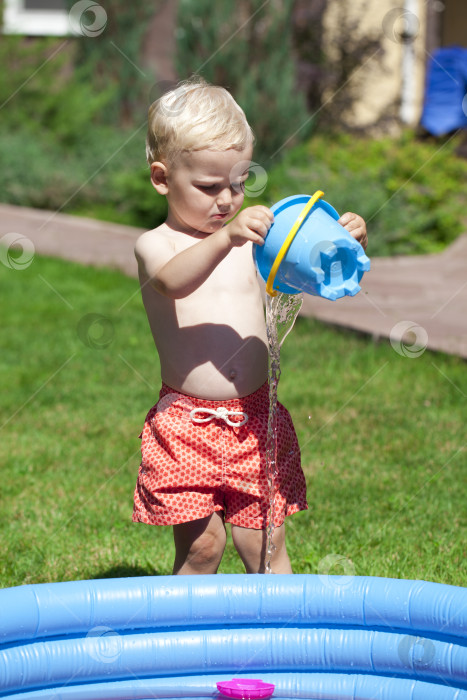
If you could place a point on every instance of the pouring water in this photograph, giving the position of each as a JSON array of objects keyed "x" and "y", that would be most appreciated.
[
  {"x": 281, "y": 313},
  {"x": 305, "y": 250}
]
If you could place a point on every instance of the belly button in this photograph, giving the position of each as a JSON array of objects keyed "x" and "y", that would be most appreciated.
[{"x": 232, "y": 375}]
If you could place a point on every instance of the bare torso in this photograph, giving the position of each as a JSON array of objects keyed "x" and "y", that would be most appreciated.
[{"x": 212, "y": 343}]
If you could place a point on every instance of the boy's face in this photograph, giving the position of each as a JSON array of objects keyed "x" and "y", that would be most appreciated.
[{"x": 204, "y": 189}]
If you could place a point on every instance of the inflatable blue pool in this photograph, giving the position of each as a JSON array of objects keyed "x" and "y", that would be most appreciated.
[{"x": 312, "y": 636}]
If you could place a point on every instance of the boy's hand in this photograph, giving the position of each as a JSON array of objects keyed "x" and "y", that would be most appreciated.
[
  {"x": 356, "y": 226},
  {"x": 251, "y": 224}
]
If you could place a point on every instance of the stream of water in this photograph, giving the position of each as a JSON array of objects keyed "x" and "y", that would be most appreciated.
[{"x": 281, "y": 312}]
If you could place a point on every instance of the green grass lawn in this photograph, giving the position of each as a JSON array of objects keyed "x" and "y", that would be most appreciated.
[{"x": 382, "y": 437}]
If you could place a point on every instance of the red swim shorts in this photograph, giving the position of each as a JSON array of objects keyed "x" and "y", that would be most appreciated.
[{"x": 201, "y": 456}]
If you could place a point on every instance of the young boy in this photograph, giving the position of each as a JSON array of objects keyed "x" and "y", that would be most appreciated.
[{"x": 204, "y": 442}]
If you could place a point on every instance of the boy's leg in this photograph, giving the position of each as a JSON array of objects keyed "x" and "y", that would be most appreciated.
[
  {"x": 251, "y": 546},
  {"x": 199, "y": 545}
]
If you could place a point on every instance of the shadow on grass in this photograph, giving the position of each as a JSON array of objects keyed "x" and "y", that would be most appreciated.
[{"x": 126, "y": 571}]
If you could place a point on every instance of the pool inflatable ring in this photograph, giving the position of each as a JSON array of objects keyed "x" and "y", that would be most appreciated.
[{"x": 312, "y": 636}]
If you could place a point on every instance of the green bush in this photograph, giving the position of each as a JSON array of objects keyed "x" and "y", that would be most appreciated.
[
  {"x": 39, "y": 171},
  {"x": 137, "y": 199},
  {"x": 411, "y": 193},
  {"x": 103, "y": 178},
  {"x": 37, "y": 95},
  {"x": 57, "y": 150}
]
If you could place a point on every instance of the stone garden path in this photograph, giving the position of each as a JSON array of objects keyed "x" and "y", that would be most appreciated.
[{"x": 425, "y": 296}]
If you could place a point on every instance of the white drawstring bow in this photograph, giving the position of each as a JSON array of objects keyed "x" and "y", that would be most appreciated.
[{"x": 220, "y": 412}]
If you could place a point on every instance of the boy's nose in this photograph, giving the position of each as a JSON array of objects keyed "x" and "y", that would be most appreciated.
[{"x": 224, "y": 198}]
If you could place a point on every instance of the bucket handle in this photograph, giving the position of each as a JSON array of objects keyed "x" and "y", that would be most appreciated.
[{"x": 288, "y": 242}]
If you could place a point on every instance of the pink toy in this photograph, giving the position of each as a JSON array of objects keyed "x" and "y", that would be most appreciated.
[{"x": 245, "y": 689}]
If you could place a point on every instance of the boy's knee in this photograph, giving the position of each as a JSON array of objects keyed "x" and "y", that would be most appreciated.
[
  {"x": 252, "y": 548},
  {"x": 208, "y": 547},
  {"x": 200, "y": 551}
]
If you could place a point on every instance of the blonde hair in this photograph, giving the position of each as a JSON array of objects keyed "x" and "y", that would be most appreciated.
[{"x": 195, "y": 116}]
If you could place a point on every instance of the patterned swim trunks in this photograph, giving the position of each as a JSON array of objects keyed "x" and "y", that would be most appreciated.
[{"x": 201, "y": 456}]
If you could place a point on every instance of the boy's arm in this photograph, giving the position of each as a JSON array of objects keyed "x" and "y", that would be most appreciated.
[{"x": 176, "y": 275}]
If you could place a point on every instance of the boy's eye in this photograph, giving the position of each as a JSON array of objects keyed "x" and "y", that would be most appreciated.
[{"x": 237, "y": 186}]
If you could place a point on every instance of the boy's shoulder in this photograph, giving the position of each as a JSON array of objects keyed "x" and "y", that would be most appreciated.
[
  {"x": 161, "y": 232},
  {"x": 155, "y": 243},
  {"x": 159, "y": 237},
  {"x": 162, "y": 238}
]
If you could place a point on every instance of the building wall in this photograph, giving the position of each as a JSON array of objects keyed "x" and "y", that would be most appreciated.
[{"x": 381, "y": 81}]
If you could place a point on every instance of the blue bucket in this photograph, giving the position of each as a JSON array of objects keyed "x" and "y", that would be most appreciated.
[{"x": 323, "y": 259}]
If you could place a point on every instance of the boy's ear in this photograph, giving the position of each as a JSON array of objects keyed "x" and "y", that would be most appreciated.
[{"x": 159, "y": 177}]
